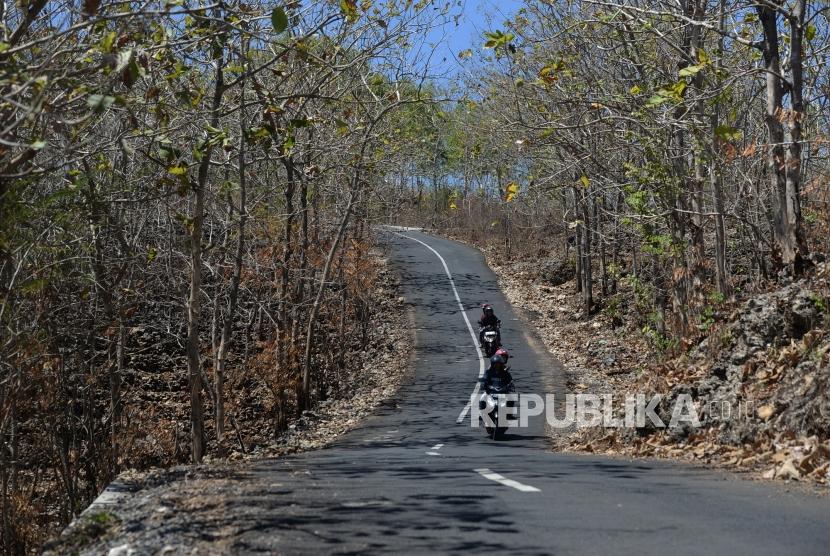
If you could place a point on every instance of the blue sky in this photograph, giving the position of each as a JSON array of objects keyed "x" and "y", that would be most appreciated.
[{"x": 477, "y": 16}]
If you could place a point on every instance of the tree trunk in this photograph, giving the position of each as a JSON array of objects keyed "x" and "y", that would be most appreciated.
[
  {"x": 785, "y": 183},
  {"x": 599, "y": 241},
  {"x": 796, "y": 243},
  {"x": 587, "y": 286},
  {"x": 194, "y": 364},
  {"x": 695, "y": 11},
  {"x": 716, "y": 179},
  {"x": 233, "y": 294}
]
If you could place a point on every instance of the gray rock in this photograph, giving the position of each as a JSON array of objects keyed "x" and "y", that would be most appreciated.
[{"x": 557, "y": 272}]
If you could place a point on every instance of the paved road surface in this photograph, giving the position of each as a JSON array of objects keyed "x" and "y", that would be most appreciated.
[{"x": 413, "y": 480}]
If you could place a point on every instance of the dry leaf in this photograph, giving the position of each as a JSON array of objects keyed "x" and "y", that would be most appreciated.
[
  {"x": 788, "y": 471},
  {"x": 766, "y": 411}
]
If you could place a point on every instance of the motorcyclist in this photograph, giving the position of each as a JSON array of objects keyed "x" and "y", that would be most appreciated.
[
  {"x": 488, "y": 319},
  {"x": 497, "y": 369}
]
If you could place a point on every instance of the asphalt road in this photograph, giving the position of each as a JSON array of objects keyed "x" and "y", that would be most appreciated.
[{"x": 413, "y": 480}]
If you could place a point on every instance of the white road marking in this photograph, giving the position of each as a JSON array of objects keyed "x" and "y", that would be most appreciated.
[
  {"x": 401, "y": 228},
  {"x": 487, "y": 474},
  {"x": 434, "y": 450},
  {"x": 466, "y": 320}
]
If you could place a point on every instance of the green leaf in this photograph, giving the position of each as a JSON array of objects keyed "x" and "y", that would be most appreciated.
[
  {"x": 810, "y": 33},
  {"x": 656, "y": 100},
  {"x": 279, "y": 19},
  {"x": 34, "y": 286},
  {"x": 257, "y": 133},
  {"x": 585, "y": 181},
  {"x": 728, "y": 133},
  {"x": 289, "y": 143},
  {"x": 690, "y": 71},
  {"x": 498, "y": 39},
  {"x": 37, "y": 145},
  {"x": 349, "y": 9},
  {"x": 167, "y": 151},
  {"x": 342, "y": 126},
  {"x": 635, "y": 90},
  {"x": 107, "y": 42},
  {"x": 99, "y": 103},
  {"x": 178, "y": 170},
  {"x": 673, "y": 92}
]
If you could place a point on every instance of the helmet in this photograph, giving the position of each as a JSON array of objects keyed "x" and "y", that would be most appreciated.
[
  {"x": 497, "y": 362},
  {"x": 503, "y": 354},
  {"x": 487, "y": 309}
]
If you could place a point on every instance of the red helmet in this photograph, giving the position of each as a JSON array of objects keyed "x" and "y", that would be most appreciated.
[{"x": 503, "y": 353}]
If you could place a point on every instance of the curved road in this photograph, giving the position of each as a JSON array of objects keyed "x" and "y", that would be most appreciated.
[{"x": 411, "y": 479}]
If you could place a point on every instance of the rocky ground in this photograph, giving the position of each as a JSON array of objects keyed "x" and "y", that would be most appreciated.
[
  {"x": 169, "y": 494},
  {"x": 759, "y": 374}
]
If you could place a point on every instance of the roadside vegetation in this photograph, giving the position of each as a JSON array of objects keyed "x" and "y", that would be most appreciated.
[
  {"x": 185, "y": 264},
  {"x": 652, "y": 179}
]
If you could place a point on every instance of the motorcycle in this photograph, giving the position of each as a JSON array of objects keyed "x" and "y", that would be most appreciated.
[
  {"x": 491, "y": 341},
  {"x": 500, "y": 399}
]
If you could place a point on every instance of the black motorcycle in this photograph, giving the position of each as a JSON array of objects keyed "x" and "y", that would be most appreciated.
[
  {"x": 490, "y": 341},
  {"x": 496, "y": 399}
]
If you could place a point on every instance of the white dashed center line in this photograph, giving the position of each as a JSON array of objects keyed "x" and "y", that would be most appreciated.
[
  {"x": 434, "y": 450},
  {"x": 487, "y": 474}
]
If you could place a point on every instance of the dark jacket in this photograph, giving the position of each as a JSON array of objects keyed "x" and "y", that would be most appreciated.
[
  {"x": 489, "y": 374},
  {"x": 491, "y": 320}
]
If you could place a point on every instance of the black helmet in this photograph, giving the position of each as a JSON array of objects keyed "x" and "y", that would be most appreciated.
[
  {"x": 497, "y": 362},
  {"x": 487, "y": 308}
]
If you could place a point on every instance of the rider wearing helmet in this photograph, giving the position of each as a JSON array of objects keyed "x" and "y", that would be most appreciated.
[
  {"x": 497, "y": 369},
  {"x": 488, "y": 319}
]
